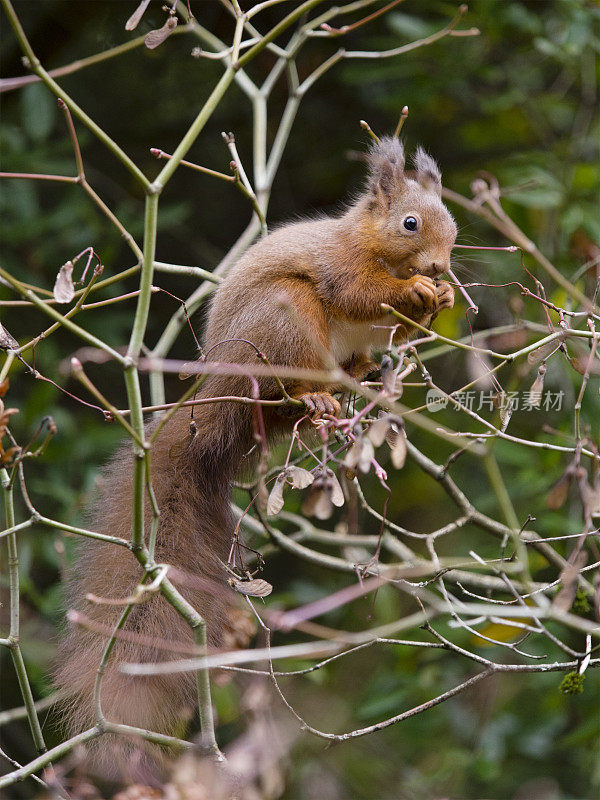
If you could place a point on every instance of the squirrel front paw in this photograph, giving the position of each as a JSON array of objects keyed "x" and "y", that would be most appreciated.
[
  {"x": 320, "y": 403},
  {"x": 445, "y": 295},
  {"x": 422, "y": 296}
]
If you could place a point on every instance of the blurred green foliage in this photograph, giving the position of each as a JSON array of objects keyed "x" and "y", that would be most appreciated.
[{"x": 518, "y": 102}]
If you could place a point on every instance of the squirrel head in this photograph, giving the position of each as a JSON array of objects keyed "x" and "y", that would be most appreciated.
[{"x": 411, "y": 229}]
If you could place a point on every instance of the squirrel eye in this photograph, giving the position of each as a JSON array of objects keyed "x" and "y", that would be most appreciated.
[{"x": 411, "y": 224}]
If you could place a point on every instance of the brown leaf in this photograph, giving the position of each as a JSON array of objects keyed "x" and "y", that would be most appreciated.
[
  {"x": 4, "y": 387},
  {"x": 135, "y": 18},
  {"x": 254, "y": 588},
  {"x": 154, "y": 38},
  {"x": 64, "y": 290},
  {"x": 7, "y": 342}
]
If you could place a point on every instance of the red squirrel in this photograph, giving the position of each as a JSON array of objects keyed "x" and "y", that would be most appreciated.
[{"x": 390, "y": 246}]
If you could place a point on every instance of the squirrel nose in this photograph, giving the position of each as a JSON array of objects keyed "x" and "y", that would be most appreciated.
[{"x": 440, "y": 267}]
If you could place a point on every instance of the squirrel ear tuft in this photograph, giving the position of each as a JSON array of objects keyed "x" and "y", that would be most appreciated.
[
  {"x": 428, "y": 172},
  {"x": 386, "y": 168}
]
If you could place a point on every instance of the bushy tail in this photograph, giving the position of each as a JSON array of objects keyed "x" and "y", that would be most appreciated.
[{"x": 194, "y": 537}]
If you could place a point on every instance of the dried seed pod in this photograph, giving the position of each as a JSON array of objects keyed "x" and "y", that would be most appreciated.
[
  {"x": 7, "y": 342},
  {"x": 540, "y": 353},
  {"x": 396, "y": 439},
  {"x": 337, "y": 495},
  {"x": 135, "y": 18},
  {"x": 323, "y": 495},
  {"x": 299, "y": 478},
  {"x": 377, "y": 430},
  {"x": 64, "y": 289},
  {"x": 360, "y": 455},
  {"x": 591, "y": 497},
  {"x": 275, "y": 501},
  {"x": 352, "y": 456},
  {"x": 157, "y": 37},
  {"x": 367, "y": 453},
  {"x": 537, "y": 387},
  {"x": 558, "y": 494},
  {"x": 317, "y": 503},
  {"x": 581, "y": 363},
  {"x": 388, "y": 375},
  {"x": 253, "y": 588}
]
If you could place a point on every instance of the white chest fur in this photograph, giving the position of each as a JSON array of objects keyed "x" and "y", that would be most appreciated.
[{"x": 359, "y": 337}]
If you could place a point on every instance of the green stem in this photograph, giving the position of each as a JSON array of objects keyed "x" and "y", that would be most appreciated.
[
  {"x": 51, "y": 755},
  {"x": 198, "y": 625},
  {"x": 13, "y": 637},
  {"x": 134, "y": 397},
  {"x": 104, "y": 661},
  {"x": 143, "y": 304}
]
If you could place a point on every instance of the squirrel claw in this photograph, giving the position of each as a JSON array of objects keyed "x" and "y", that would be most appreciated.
[
  {"x": 445, "y": 295},
  {"x": 424, "y": 293},
  {"x": 318, "y": 404}
]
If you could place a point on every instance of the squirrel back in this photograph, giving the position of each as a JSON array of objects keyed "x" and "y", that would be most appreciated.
[{"x": 305, "y": 289}]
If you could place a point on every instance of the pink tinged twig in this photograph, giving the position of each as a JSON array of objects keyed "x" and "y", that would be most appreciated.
[{"x": 472, "y": 306}]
